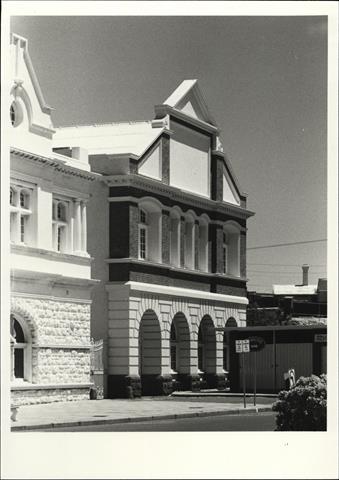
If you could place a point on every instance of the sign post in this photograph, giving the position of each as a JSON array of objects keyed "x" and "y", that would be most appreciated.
[
  {"x": 243, "y": 346},
  {"x": 256, "y": 344}
]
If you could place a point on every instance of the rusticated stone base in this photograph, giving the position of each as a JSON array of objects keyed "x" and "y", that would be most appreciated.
[
  {"x": 215, "y": 380},
  {"x": 38, "y": 395},
  {"x": 123, "y": 386},
  {"x": 189, "y": 382},
  {"x": 157, "y": 384}
]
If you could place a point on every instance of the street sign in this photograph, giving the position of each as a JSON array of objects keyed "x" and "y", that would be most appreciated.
[
  {"x": 256, "y": 344},
  {"x": 242, "y": 346},
  {"x": 238, "y": 346},
  {"x": 320, "y": 338},
  {"x": 246, "y": 346}
]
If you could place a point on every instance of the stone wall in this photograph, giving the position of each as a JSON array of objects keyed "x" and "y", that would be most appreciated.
[
  {"x": 60, "y": 338},
  {"x": 33, "y": 397}
]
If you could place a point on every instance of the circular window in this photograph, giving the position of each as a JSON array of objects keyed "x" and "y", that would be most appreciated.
[
  {"x": 12, "y": 114},
  {"x": 15, "y": 114}
]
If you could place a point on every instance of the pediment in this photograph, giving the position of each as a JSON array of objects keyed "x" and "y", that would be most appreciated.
[{"x": 188, "y": 99}]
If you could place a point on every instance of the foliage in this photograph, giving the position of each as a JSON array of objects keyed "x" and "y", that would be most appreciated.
[{"x": 304, "y": 406}]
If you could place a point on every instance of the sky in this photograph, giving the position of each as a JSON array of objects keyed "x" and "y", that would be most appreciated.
[{"x": 264, "y": 80}]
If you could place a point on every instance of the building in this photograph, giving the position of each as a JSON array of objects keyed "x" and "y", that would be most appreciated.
[
  {"x": 167, "y": 230},
  {"x": 49, "y": 265},
  {"x": 289, "y": 303},
  {"x": 292, "y": 322}
]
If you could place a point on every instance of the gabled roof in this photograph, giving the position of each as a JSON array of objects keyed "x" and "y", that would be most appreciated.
[
  {"x": 188, "y": 99},
  {"x": 109, "y": 138}
]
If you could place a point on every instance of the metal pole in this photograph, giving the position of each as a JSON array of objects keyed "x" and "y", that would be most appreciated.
[
  {"x": 243, "y": 378},
  {"x": 255, "y": 378}
]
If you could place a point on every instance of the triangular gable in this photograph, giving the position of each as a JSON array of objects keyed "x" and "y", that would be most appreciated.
[
  {"x": 151, "y": 165},
  {"x": 188, "y": 99},
  {"x": 230, "y": 194}
]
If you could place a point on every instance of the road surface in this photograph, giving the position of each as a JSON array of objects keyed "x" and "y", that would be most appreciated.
[{"x": 221, "y": 423}]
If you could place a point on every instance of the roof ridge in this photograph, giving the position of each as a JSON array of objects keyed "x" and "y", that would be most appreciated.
[{"x": 127, "y": 122}]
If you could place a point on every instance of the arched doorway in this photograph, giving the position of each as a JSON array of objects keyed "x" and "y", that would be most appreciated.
[
  {"x": 206, "y": 346},
  {"x": 180, "y": 345},
  {"x": 149, "y": 351},
  {"x": 231, "y": 322}
]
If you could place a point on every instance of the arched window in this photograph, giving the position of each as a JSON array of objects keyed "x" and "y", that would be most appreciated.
[
  {"x": 142, "y": 234},
  {"x": 189, "y": 242},
  {"x": 173, "y": 348},
  {"x": 12, "y": 114},
  {"x": 203, "y": 246},
  {"x": 149, "y": 231},
  {"x": 231, "y": 250},
  {"x": 60, "y": 225},
  {"x": 175, "y": 239},
  {"x": 21, "y": 350}
]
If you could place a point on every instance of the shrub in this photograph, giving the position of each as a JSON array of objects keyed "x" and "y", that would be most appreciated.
[{"x": 304, "y": 406}]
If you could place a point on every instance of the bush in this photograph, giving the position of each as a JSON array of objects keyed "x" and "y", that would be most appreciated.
[{"x": 304, "y": 406}]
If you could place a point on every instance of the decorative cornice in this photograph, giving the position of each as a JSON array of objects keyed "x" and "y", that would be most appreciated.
[
  {"x": 57, "y": 165},
  {"x": 166, "y": 266},
  {"x": 40, "y": 252},
  {"x": 162, "y": 110},
  {"x": 52, "y": 278},
  {"x": 53, "y": 298},
  {"x": 175, "y": 194},
  {"x": 180, "y": 292}
]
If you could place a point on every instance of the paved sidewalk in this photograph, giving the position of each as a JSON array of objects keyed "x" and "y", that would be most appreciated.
[{"x": 90, "y": 412}]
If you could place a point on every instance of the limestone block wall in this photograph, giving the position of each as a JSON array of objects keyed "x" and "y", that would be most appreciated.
[
  {"x": 60, "y": 337},
  {"x": 33, "y": 397}
]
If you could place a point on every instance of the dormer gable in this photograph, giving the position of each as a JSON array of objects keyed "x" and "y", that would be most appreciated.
[
  {"x": 29, "y": 116},
  {"x": 188, "y": 104}
]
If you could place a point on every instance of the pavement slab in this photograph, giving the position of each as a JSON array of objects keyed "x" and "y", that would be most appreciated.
[{"x": 88, "y": 412}]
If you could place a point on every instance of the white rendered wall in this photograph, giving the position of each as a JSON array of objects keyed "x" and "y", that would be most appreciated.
[
  {"x": 190, "y": 160},
  {"x": 229, "y": 194},
  {"x": 152, "y": 165}
]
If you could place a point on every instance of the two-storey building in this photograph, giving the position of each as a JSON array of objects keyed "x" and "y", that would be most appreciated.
[
  {"x": 49, "y": 264},
  {"x": 167, "y": 229}
]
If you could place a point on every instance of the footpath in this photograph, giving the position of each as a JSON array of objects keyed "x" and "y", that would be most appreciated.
[{"x": 98, "y": 412}]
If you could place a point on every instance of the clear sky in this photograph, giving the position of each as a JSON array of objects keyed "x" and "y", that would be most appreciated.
[{"x": 264, "y": 80}]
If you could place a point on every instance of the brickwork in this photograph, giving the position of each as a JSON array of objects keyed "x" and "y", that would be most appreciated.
[
  {"x": 119, "y": 229},
  {"x": 243, "y": 255},
  {"x": 133, "y": 230},
  {"x": 217, "y": 177},
  {"x": 165, "y": 237},
  {"x": 165, "y": 159},
  {"x": 219, "y": 249},
  {"x": 196, "y": 244},
  {"x": 182, "y": 241}
]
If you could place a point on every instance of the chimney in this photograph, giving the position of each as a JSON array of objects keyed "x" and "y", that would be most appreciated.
[{"x": 305, "y": 274}]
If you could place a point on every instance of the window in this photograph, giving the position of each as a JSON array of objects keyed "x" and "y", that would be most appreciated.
[
  {"x": 12, "y": 114},
  {"x": 20, "y": 215},
  {"x": 231, "y": 250},
  {"x": 173, "y": 348},
  {"x": 60, "y": 225},
  {"x": 21, "y": 350},
  {"x": 142, "y": 235},
  {"x": 12, "y": 196},
  {"x": 143, "y": 216},
  {"x": 224, "y": 254},
  {"x": 200, "y": 350}
]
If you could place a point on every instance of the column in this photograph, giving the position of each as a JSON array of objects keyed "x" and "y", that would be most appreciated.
[
  {"x": 83, "y": 226},
  {"x": 77, "y": 227}
]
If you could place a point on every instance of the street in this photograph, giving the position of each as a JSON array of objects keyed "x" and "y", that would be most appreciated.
[{"x": 220, "y": 423}]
